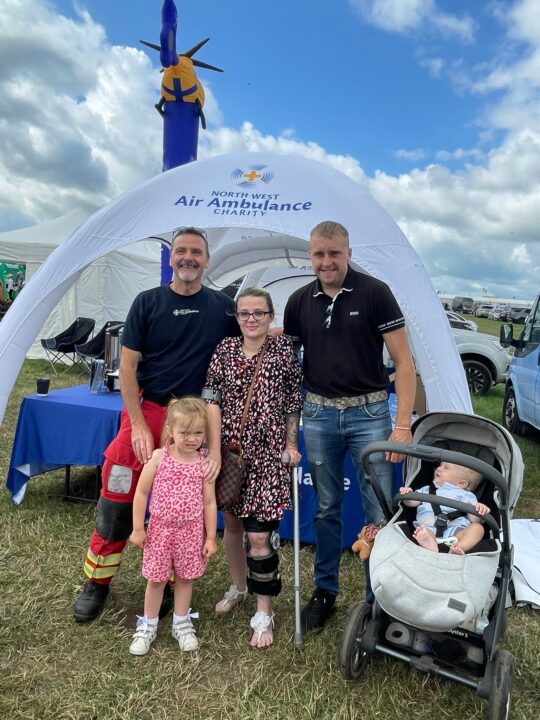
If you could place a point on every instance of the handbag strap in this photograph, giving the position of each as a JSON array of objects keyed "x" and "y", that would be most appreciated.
[{"x": 250, "y": 393}]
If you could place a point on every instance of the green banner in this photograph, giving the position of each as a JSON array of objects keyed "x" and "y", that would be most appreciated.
[{"x": 12, "y": 279}]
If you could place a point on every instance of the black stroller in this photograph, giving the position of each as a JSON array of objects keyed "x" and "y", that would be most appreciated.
[{"x": 443, "y": 613}]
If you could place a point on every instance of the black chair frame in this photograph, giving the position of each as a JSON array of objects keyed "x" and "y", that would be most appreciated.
[
  {"x": 61, "y": 348},
  {"x": 94, "y": 349}
]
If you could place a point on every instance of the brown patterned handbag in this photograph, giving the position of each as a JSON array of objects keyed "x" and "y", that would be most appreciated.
[
  {"x": 231, "y": 477},
  {"x": 230, "y": 481}
]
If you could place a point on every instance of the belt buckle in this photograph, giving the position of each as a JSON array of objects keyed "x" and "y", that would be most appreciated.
[{"x": 341, "y": 403}]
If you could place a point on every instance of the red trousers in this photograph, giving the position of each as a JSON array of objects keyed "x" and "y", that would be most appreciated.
[{"x": 120, "y": 475}]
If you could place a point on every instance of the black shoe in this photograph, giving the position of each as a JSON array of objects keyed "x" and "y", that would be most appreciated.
[
  {"x": 90, "y": 602},
  {"x": 166, "y": 601},
  {"x": 317, "y": 611}
]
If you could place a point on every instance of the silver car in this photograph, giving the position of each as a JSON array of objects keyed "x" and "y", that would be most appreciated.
[
  {"x": 458, "y": 321},
  {"x": 484, "y": 359},
  {"x": 483, "y": 310}
]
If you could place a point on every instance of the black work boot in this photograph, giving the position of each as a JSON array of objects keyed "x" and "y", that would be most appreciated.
[
  {"x": 90, "y": 602},
  {"x": 166, "y": 601},
  {"x": 318, "y": 610}
]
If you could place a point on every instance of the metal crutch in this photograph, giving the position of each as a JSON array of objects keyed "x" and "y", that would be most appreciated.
[{"x": 296, "y": 550}]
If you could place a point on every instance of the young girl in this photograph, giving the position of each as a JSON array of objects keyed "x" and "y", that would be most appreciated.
[{"x": 181, "y": 534}]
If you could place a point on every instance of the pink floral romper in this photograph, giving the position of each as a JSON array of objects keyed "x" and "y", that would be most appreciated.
[{"x": 175, "y": 535}]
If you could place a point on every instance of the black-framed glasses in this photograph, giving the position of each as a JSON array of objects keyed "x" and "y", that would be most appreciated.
[
  {"x": 258, "y": 315},
  {"x": 328, "y": 314}
]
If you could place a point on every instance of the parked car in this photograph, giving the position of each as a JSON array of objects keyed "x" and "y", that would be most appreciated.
[
  {"x": 484, "y": 359},
  {"x": 499, "y": 312},
  {"x": 518, "y": 315},
  {"x": 458, "y": 321},
  {"x": 521, "y": 406},
  {"x": 483, "y": 310}
]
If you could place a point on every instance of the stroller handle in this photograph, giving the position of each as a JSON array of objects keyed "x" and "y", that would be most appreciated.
[
  {"x": 449, "y": 502},
  {"x": 426, "y": 452}
]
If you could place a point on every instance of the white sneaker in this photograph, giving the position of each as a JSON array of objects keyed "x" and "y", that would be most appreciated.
[
  {"x": 184, "y": 632},
  {"x": 231, "y": 599},
  {"x": 144, "y": 636}
]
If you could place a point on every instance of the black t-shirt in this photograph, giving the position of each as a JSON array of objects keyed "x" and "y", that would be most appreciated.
[
  {"x": 343, "y": 345},
  {"x": 176, "y": 336}
]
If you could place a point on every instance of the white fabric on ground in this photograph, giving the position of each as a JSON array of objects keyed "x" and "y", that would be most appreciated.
[{"x": 526, "y": 573}]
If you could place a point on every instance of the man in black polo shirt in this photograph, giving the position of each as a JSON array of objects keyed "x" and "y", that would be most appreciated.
[
  {"x": 169, "y": 336},
  {"x": 343, "y": 319}
]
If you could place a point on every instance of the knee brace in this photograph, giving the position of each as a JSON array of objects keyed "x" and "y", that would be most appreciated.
[
  {"x": 114, "y": 520},
  {"x": 263, "y": 574}
]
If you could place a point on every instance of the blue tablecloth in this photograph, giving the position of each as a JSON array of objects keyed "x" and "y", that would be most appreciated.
[
  {"x": 70, "y": 426},
  {"x": 73, "y": 427}
]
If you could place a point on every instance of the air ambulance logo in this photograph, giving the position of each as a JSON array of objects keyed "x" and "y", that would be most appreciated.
[{"x": 251, "y": 178}]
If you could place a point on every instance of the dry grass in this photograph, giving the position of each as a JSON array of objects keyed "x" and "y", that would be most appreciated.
[{"x": 53, "y": 669}]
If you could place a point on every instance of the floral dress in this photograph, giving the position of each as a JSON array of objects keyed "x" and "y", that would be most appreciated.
[{"x": 266, "y": 493}]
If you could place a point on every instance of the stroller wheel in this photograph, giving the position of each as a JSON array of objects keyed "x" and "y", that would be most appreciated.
[
  {"x": 501, "y": 687},
  {"x": 351, "y": 657}
]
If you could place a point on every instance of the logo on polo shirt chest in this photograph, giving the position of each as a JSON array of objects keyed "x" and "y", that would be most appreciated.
[{"x": 184, "y": 311}]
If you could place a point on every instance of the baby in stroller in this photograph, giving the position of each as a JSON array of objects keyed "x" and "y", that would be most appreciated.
[
  {"x": 442, "y": 612},
  {"x": 461, "y": 531}
]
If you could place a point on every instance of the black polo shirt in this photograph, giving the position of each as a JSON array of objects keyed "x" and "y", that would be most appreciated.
[{"x": 343, "y": 344}]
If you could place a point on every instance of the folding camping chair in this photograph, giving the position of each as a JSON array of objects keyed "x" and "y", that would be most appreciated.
[
  {"x": 61, "y": 348},
  {"x": 94, "y": 349}
]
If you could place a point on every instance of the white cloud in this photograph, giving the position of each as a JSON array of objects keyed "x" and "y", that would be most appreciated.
[
  {"x": 412, "y": 155},
  {"x": 467, "y": 225},
  {"x": 520, "y": 254},
  {"x": 459, "y": 154},
  {"x": 435, "y": 66},
  {"x": 514, "y": 74},
  {"x": 249, "y": 139},
  {"x": 73, "y": 132},
  {"x": 401, "y": 16},
  {"x": 79, "y": 133}
]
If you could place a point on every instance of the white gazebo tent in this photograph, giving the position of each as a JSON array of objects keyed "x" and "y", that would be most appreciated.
[
  {"x": 105, "y": 288},
  {"x": 258, "y": 209}
]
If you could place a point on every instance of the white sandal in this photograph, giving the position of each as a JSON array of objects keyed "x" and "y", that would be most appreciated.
[
  {"x": 261, "y": 622},
  {"x": 231, "y": 599}
]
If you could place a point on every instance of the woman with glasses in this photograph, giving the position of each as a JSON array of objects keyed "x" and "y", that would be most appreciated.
[{"x": 271, "y": 428}]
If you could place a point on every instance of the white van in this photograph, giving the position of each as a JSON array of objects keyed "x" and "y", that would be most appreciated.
[{"x": 522, "y": 397}]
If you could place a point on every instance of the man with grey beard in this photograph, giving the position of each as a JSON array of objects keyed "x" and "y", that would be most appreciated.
[{"x": 169, "y": 336}]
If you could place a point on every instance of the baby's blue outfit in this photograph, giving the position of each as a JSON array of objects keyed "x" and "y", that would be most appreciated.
[{"x": 426, "y": 517}]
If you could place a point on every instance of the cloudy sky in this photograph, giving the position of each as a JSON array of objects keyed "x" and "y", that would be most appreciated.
[{"x": 433, "y": 105}]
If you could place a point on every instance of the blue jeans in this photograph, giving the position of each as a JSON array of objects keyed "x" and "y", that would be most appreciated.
[{"x": 328, "y": 434}]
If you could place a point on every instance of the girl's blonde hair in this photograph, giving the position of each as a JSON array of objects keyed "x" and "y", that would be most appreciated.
[{"x": 192, "y": 409}]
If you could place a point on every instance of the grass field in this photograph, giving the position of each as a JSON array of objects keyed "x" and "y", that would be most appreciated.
[{"x": 52, "y": 669}]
